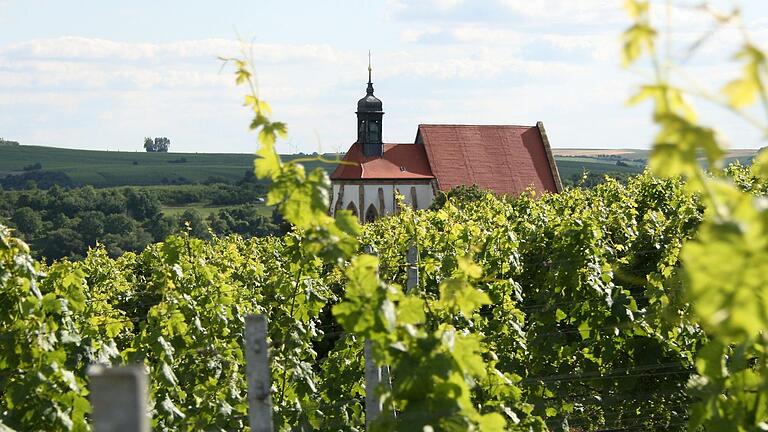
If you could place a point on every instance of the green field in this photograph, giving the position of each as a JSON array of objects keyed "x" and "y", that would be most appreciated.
[
  {"x": 569, "y": 167},
  {"x": 111, "y": 169},
  {"x": 206, "y": 210},
  {"x": 572, "y": 162}
]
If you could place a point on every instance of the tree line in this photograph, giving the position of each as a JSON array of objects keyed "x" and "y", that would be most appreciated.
[{"x": 60, "y": 222}]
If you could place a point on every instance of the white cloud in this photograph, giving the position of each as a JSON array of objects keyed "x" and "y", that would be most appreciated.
[
  {"x": 465, "y": 61},
  {"x": 407, "y": 7},
  {"x": 598, "y": 46},
  {"x": 444, "y": 4},
  {"x": 85, "y": 88},
  {"x": 83, "y": 63},
  {"x": 580, "y": 11},
  {"x": 570, "y": 12},
  {"x": 88, "y": 63},
  {"x": 89, "y": 49},
  {"x": 420, "y": 34},
  {"x": 483, "y": 66}
]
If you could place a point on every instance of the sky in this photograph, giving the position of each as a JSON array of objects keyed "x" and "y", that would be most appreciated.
[{"x": 104, "y": 75}]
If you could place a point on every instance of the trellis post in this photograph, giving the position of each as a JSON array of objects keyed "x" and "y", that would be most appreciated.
[
  {"x": 372, "y": 380},
  {"x": 374, "y": 375},
  {"x": 258, "y": 374},
  {"x": 413, "y": 269},
  {"x": 119, "y": 399}
]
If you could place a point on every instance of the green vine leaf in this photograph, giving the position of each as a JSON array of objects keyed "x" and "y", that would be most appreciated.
[{"x": 745, "y": 90}]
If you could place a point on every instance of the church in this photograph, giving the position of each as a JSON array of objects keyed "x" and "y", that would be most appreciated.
[{"x": 504, "y": 159}]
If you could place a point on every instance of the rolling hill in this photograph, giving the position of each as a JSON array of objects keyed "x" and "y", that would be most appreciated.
[{"x": 111, "y": 169}]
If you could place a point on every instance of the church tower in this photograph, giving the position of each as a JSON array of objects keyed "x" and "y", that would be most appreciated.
[
  {"x": 371, "y": 176},
  {"x": 369, "y": 116}
]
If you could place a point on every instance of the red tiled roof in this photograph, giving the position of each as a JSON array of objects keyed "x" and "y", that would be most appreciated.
[
  {"x": 400, "y": 161},
  {"x": 504, "y": 159}
]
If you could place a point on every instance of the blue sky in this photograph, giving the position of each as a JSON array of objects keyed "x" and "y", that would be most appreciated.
[{"x": 103, "y": 75}]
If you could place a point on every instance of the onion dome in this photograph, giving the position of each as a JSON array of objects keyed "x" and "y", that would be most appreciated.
[{"x": 369, "y": 103}]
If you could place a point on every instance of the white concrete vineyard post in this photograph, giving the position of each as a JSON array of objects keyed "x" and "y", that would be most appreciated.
[
  {"x": 258, "y": 373},
  {"x": 119, "y": 399},
  {"x": 372, "y": 381},
  {"x": 413, "y": 269},
  {"x": 373, "y": 375}
]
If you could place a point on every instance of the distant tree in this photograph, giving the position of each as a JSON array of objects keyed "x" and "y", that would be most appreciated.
[
  {"x": 111, "y": 243},
  {"x": 248, "y": 177},
  {"x": 589, "y": 179},
  {"x": 219, "y": 223},
  {"x": 141, "y": 204},
  {"x": 91, "y": 226},
  {"x": 118, "y": 224},
  {"x": 460, "y": 193},
  {"x": 149, "y": 145},
  {"x": 283, "y": 226},
  {"x": 159, "y": 144},
  {"x": 112, "y": 201},
  {"x": 246, "y": 221},
  {"x": 27, "y": 221},
  {"x": 63, "y": 242},
  {"x": 162, "y": 144},
  {"x": 211, "y": 180},
  {"x": 196, "y": 224},
  {"x": 161, "y": 227},
  {"x": 40, "y": 179},
  {"x": 136, "y": 240},
  {"x": 79, "y": 200}
]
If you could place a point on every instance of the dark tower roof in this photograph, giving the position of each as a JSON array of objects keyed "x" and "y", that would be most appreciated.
[{"x": 369, "y": 103}]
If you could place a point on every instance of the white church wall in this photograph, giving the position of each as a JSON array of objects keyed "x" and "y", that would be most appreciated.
[
  {"x": 424, "y": 196},
  {"x": 372, "y": 197},
  {"x": 351, "y": 195}
]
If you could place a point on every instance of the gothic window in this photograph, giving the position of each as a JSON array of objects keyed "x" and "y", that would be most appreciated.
[
  {"x": 352, "y": 207},
  {"x": 371, "y": 214}
]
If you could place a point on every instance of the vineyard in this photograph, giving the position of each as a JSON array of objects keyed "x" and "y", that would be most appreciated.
[
  {"x": 638, "y": 306},
  {"x": 536, "y": 312}
]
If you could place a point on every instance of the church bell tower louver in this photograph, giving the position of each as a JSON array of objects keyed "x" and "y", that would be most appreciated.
[{"x": 369, "y": 117}]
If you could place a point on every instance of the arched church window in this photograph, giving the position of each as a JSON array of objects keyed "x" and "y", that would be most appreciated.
[
  {"x": 371, "y": 214},
  {"x": 352, "y": 207}
]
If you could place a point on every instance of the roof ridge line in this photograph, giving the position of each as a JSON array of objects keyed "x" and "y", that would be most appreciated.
[{"x": 475, "y": 125}]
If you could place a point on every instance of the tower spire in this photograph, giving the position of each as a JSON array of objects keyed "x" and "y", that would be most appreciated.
[{"x": 369, "y": 116}]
